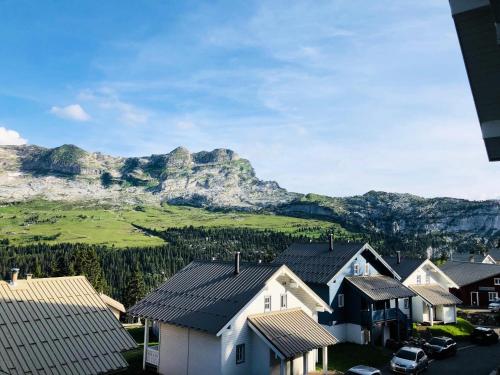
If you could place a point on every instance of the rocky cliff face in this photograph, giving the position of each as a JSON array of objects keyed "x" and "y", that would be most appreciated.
[
  {"x": 218, "y": 179},
  {"x": 221, "y": 179}
]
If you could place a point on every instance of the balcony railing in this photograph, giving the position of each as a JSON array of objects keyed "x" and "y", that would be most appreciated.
[
  {"x": 382, "y": 315},
  {"x": 152, "y": 355}
]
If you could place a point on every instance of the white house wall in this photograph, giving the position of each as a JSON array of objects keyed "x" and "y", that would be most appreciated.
[
  {"x": 417, "y": 309},
  {"x": 188, "y": 351},
  {"x": 241, "y": 333}
]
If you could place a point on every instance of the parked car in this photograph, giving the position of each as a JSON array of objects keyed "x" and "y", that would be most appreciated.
[
  {"x": 363, "y": 370},
  {"x": 440, "y": 347},
  {"x": 409, "y": 360},
  {"x": 484, "y": 336},
  {"x": 494, "y": 306}
]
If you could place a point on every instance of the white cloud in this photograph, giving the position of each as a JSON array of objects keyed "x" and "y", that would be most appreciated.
[
  {"x": 73, "y": 112},
  {"x": 10, "y": 137}
]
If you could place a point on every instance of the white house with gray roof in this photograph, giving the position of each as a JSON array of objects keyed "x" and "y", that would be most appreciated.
[
  {"x": 369, "y": 303},
  {"x": 224, "y": 318},
  {"x": 434, "y": 303}
]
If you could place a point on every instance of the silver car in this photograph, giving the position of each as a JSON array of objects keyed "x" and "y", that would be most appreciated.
[
  {"x": 494, "y": 306},
  {"x": 363, "y": 370},
  {"x": 409, "y": 360}
]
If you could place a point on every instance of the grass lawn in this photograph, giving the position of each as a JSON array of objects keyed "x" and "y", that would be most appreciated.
[
  {"x": 342, "y": 357},
  {"x": 461, "y": 330},
  {"x": 134, "y": 357},
  {"x": 57, "y": 222}
]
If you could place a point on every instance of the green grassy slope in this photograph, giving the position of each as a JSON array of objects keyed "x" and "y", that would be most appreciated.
[{"x": 56, "y": 222}]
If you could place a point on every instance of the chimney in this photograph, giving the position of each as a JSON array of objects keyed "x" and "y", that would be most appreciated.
[
  {"x": 29, "y": 276},
  {"x": 330, "y": 246},
  {"x": 237, "y": 263},
  {"x": 14, "y": 274},
  {"x": 398, "y": 256}
]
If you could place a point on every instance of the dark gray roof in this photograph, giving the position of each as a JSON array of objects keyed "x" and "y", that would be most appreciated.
[
  {"x": 466, "y": 257},
  {"x": 435, "y": 294},
  {"x": 291, "y": 331},
  {"x": 464, "y": 273},
  {"x": 314, "y": 263},
  {"x": 406, "y": 267},
  {"x": 495, "y": 254},
  {"x": 204, "y": 295},
  {"x": 380, "y": 288}
]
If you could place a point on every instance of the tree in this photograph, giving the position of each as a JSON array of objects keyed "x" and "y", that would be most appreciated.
[
  {"x": 136, "y": 288},
  {"x": 106, "y": 179},
  {"x": 87, "y": 264}
]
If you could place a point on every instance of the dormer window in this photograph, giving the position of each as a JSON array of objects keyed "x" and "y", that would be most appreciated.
[{"x": 356, "y": 269}]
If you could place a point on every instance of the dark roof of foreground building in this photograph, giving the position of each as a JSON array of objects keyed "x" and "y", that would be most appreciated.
[
  {"x": 58, "y": 326},
  {"x": 464, "y": 273},
  {"x": 314, "y": 262},
  {"x": 478, "y": 27},
  {"x": 406, "y": 267},
  {"x": 292, "y": 331},
  {"x": 380, "y": 288},
  {"x": 435, "y": 294},
  {"x": 205, "y": 295}
]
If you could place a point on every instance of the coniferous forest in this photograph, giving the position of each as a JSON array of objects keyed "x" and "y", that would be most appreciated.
[{"x": 128, "y": 273}]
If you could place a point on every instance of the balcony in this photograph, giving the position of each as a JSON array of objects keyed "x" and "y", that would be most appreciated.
[
  {"x": 152, "y": 355},
  {"x": 382, "y": 315}
]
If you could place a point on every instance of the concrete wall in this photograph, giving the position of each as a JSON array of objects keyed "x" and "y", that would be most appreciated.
[{"x": 186, "y": 351}]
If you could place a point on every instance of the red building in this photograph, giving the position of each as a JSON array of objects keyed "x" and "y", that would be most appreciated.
[{"x": 479, "y": 282}]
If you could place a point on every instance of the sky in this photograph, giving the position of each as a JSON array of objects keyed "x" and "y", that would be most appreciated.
[{"x": 333, "y": 97}]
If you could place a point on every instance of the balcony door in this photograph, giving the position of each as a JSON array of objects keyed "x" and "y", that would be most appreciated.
[{"x": 474, "y": 298}]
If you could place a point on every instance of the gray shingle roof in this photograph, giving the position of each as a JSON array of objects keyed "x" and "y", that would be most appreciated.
[
  {"x": 314, "y": 263},
  {"x": 464, "y": 273},
  {"x": 380, "y": 288},
  {"x": 58, "y": 326},
  {"x": 204, "y": 295},
  {"x": 406, "y": 267},
  {"x": 291, "y": 331},
  {"x": 435, "y": 294},
  {"x": 495, "y": 254}
]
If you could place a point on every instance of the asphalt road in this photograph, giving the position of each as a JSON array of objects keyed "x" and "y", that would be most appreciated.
[{"x": 470, "y": 359}]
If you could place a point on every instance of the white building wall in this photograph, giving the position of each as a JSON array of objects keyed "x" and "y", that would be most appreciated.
[
  {"x": 449, "y": 314},
  {"x": 187, "y": 351},
  {"x": 339, "y": 331},
  {"x": 354, "y": 333},
  {"x": 417, "y": 309},
  {"x": 241, "y": 333}
]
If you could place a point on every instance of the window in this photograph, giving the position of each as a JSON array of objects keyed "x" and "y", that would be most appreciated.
[
  {"x": 367, "y": 269},
  {"x": 497, "y": 280},
  {"x": 267, "y": 303},
  {"x": 283, "y": 301},
  {"x": 406, "y": 303},
  {"x": 492, "y": 296},
  {"x": 419, "y": 279},
  {"x": 356, "y": 269},
  {"x": 427, "y": 279},
  {"x": 341, "y": 300},
  {"x": 240, "y": 353}
]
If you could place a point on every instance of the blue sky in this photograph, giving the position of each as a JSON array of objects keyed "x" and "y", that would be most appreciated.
[{"x": 334, "y": 97}]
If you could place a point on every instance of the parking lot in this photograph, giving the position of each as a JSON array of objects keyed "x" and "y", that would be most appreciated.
[{"x": 470, "y": 359}]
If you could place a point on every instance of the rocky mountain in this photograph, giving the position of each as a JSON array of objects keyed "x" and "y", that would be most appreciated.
[
  {"x": 220, "y": 179},
  {"x": 216, "y": 179}
]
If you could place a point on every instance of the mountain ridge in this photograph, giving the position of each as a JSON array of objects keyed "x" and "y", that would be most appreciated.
[{"x": 221, "y": 179}]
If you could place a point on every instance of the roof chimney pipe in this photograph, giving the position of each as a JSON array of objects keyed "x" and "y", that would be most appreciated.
[
  {"x": 29, "y": 276},
  {"x": 14, "y": 275},
  {"x": 237, "y": 263},
  {"x": 398, "y": 255},
  {"x": 330, "y": 246}
]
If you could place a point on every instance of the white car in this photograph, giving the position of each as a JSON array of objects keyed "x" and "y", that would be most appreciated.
[
  {"x": 409, "y": 360},
  {"x": 494, "y": 306},
  {"x": 362, "y": 370}
]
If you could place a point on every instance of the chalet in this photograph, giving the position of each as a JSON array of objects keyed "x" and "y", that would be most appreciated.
[
  {"x": 58, "y": 326},
  {"x": 115, "y": 306},
  {"x": 242, "y": 318},
  {"x": 433, "y": 303},
  {"x": 478, "y": 283},
  {"x": 369, "y": 303}
]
